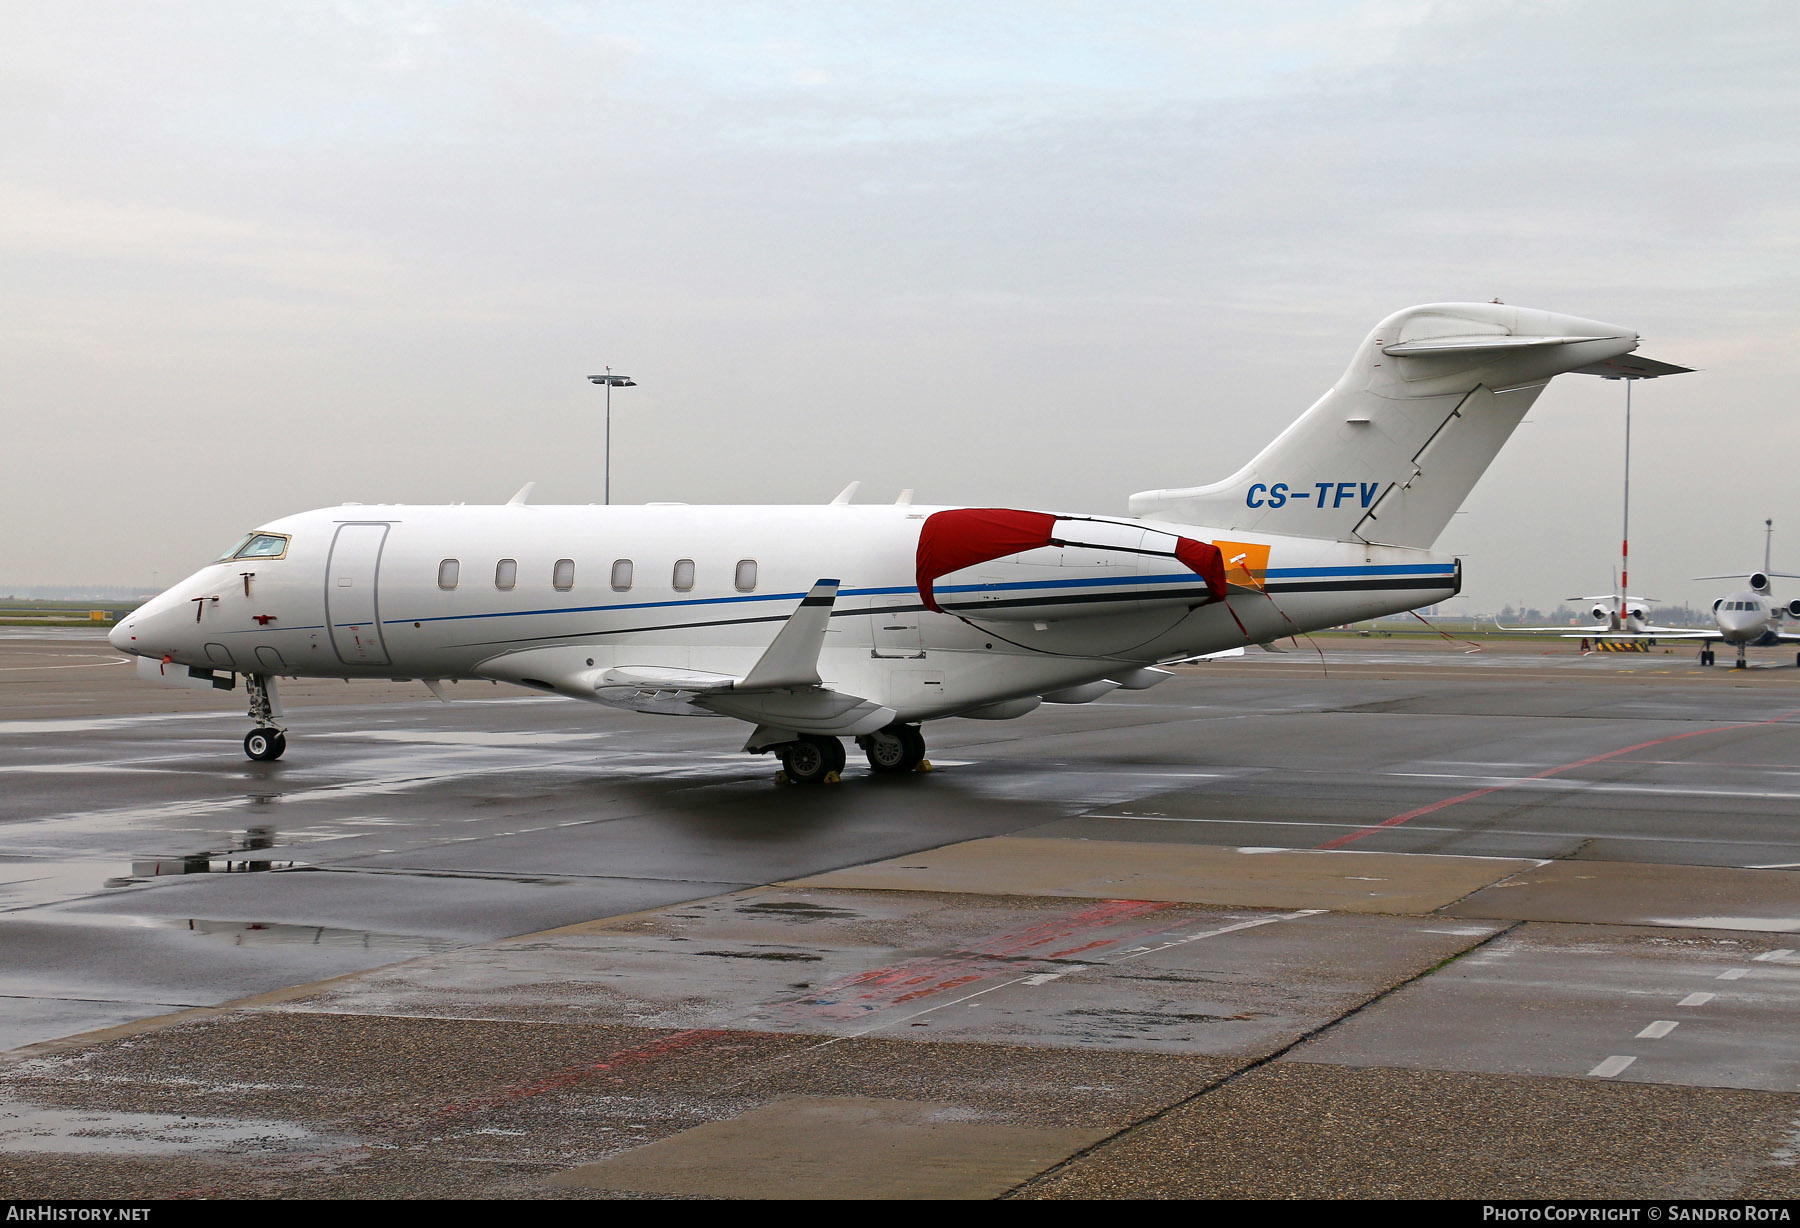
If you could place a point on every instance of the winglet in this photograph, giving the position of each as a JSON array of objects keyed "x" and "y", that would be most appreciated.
[
  {"x": 793, "y": 659},
  {"x": 518, "y": 500},
  {"x": 846, "y": 494}
]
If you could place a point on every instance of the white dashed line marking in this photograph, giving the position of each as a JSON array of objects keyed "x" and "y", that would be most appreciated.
[
  {"x": 1658, "y": 1030},
  {"x": 1041, "y": 978},
  {"x": 1610, "y": 1067},
  {"x": 1783, "y": 953},
  {"x": 1732, "y": 974},
  {"x": 1696, "y": 999}
]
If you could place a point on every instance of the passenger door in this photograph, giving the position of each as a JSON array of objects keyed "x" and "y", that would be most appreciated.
[{"x": 352, "y": 611}]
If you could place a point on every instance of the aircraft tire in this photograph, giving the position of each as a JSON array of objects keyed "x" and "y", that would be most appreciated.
[
  {"x": 915, "y": 746},
  {"x": 811, "y": 759},
  {"x": 889, "y": 751},
  {"x": 265, "y": 745}
]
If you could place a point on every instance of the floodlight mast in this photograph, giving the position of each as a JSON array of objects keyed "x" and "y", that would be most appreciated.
[
  {"x": 1631, "y": 372},
  {"x": 611, "y": 381}
]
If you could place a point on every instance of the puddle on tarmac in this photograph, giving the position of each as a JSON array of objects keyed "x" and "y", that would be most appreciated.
[
  {"x": 449, "y": 737},
  {"x": 254, "y": 853},
  {"x": 30, "y": 1128},
  {"x": 27, "y": 883},
  {"x": 798, "y": 910},
  {"x": 258, "y": 933}
]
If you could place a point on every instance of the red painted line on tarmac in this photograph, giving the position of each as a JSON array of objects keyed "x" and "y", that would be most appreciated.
[
  {"x": 639, "y": 1055},
  {"x": 1397, "y": 820},
  {"x": 879, "y": 988}
]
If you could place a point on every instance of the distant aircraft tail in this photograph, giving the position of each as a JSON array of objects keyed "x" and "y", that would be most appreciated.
[{"x": 1390, "y": 453}]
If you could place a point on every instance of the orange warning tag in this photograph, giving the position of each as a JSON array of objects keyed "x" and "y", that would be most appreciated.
[{"x": 1246, "y": 565}]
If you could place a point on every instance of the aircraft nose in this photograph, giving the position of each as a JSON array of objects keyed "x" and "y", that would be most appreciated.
[{"x": 120, "y": 636}]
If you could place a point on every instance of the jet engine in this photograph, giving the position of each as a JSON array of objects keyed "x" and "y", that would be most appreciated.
[
  {"x": 1599, "y": 613},
  {"x": 1637, "y": 612},
  {"x": 1793, "y": 608},
  {"x": 1759, "y": 581}
]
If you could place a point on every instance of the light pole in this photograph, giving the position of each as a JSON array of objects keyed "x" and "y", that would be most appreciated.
[{"x": 611, "y": 381}]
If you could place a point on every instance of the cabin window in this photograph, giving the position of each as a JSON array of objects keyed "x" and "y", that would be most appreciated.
[
  {"x": 746, "y": 575},
  {"x": 562, "y": 576},
  {"x": 684, "y": 575},
  {"x": 506, "y": 573},
  {"x": 621, "y": 577},
  {"x": 448, "y": 570}
]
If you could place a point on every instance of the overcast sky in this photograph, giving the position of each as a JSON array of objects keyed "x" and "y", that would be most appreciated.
[{"x": 257, "y": 258}]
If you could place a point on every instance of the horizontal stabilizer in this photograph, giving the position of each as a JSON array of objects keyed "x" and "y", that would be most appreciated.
[
  {"x": 1474, "y": 344},
  {"x": 1631, "y": 366}
]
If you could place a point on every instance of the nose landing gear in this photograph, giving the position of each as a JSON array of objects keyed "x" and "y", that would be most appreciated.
[
  {"x": 265, "y": 744},
  {"x": 268, "y": 740}
]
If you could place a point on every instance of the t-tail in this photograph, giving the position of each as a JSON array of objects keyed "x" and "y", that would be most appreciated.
[{"x": 1389, "y": 454}]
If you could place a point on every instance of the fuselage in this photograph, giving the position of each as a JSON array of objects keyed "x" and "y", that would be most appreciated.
[
  {"x": 1748, "y": 617},
  {"x": 436, "y": 592}
]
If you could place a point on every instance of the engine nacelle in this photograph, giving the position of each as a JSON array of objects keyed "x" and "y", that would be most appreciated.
[
  {"x": 1005, "y": 565},
  {"x": 1598, "y": 613},
  {"x": 1638, "y": 613},
  {"x": 1793, "y": 608},
  {"x": 1759, "y": 581}
]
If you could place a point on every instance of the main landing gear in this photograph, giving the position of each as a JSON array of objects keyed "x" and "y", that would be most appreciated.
[
  {"x": 816, "y": 759},
  {"x": 268, "y": 740},
  {"x": 893, "y": 751},
  {"x": 1706, "y": 656}
]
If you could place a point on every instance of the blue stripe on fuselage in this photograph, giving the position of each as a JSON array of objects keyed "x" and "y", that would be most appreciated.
[{"x": 1425, "y": 570}]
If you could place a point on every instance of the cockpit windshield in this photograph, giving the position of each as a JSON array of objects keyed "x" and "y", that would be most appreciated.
[{"x": 257, "y": 546}]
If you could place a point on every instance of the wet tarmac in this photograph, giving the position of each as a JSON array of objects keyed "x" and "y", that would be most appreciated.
[{"x": 1407, "y": 920}]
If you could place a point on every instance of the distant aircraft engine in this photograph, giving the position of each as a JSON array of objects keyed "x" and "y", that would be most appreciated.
[
  {"x": 1717, "y": 604},
  {"x": 1759, "y": 581},
  {"x": 1598, "y": 613},
  {"x": 1638, "y": 613},
  {"x": 1793, "y": 608}
]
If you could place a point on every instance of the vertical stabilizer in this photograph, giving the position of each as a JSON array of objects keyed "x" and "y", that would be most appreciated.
[{"x": 1389, "y": 454}]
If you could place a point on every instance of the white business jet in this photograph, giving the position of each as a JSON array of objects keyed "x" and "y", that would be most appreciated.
[
  {"x": 1747, "y": 618},
  {"x": 814, "y": 624}
]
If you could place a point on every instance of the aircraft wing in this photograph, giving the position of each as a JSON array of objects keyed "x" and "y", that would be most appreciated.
[
  {"x": 782, "y": 689},
  {"x": 1648, "y": 633}
]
